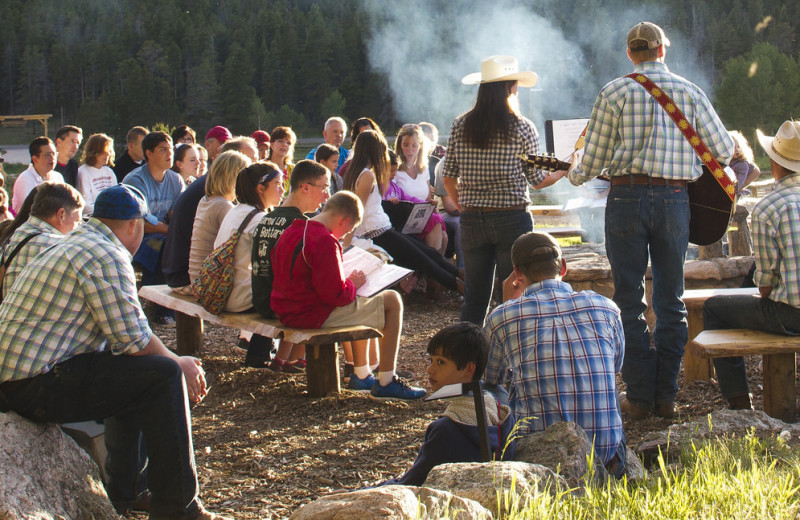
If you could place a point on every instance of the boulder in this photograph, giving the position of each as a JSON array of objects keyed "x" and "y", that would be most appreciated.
[
  {"x": 46, "y": 475},
  {"x": 563, "y": 447},
  {"x": 392, "y": 503},
  {"x": 485, "y": 482}
]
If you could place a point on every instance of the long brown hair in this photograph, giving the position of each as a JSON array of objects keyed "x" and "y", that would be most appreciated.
[
  {"x": 491, "y": 116},
  {"x": 369, "y": 151}
]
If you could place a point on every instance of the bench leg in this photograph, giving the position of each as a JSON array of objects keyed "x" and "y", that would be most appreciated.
[
  {"x": 322, "y": 369},
  {"x": 188, "y": 334},
  {"x": 696, "y": 368},
  {"x": 779, "y": 373}
]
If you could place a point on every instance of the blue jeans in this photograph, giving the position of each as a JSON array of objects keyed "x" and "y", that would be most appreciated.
[
  {"x": 649, "y": 222},
  {"x": 736, "y": 312},
  {"x": 486, "y": 239},
  {"x": 133, "y": 392}
]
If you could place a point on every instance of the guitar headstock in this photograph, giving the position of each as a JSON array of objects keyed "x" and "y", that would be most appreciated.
[{"x": 546, "y": 162}]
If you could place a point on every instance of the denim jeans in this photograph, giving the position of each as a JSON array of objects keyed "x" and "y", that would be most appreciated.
[
  {"x": 132, "y": 391},
  {"x": 649, "y": 222},
  {"x": 736, "y": 312},
  {"x": 486, "y": 239}
]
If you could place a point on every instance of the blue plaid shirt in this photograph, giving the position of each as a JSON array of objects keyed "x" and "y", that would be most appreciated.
[
  {"x": 630, "y": 133},
  {"x": 776, "y": 241},
  {"x": 560, "y": 350},
  {"x": 77, "y": 297}
]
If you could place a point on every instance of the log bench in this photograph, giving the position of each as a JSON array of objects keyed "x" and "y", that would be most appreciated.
[
  {"x": 779, "y": 369},
  {"x": 697, "y": 368},
  {"x": 322, "y": 358},
  {"x": 563, "y": 231}
]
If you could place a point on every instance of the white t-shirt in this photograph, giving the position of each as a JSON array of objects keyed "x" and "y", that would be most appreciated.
[
  {"x": 91, "y": 181},
  {"x": 25, "y": 183},
  {"x": 417, "y": 188},
  {"x": 241, "y": 297}
]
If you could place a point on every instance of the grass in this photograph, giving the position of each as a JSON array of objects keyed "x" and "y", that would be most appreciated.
[{"x": 738, "y": 478}]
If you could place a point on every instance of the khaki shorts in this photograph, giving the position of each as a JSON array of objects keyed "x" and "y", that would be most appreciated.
[{"x": 361, "y": 311}]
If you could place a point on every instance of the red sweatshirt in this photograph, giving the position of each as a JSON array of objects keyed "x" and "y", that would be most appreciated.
[{"x": 309, "y": 283}]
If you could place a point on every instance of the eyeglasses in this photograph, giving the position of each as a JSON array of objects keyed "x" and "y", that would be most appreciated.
[
  {"x": 326, "y": 188},
  {"x": 411, "y": 125},
  {"x": 46, "y": 154}
]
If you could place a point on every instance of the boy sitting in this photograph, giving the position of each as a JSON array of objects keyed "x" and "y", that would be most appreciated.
[
  {"x": 310, "y": 291},
  {"x": 458, "y": 354}
]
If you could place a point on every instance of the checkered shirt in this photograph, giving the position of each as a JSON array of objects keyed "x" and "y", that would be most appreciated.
[
  {"x": 560, "y": 350},
  {"x": 47, "y": 236},
  {"x": 630, "y": 133},
  {"x": 776, "y": 240},
  {"x": 493, "y": 177},
  {"x": 77, "y": 297}
]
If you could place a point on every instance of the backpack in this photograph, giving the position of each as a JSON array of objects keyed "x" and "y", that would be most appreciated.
[
  {"x": 11, "y": 255},
  {"x": 214, "y": 284}
]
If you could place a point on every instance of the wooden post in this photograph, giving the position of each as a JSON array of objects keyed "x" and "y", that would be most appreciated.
[
  {"x": 779, "y": 373},
  {"x": 695, "y": 368},
  {"x": 188, "y": 334},
  {"x": 739, "y": 241},
  {"x": 322, "y": 369}
]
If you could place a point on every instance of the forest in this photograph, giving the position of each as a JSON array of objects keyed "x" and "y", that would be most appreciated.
[{"x": 107, "y": 65}]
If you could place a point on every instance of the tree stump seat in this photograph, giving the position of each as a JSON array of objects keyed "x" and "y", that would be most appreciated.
[{"x": 322, "y": 358}]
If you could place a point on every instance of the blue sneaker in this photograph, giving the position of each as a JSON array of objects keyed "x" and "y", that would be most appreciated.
[
  {"x": 397, "y": 389},
  {"x": 356, "y": 383}
]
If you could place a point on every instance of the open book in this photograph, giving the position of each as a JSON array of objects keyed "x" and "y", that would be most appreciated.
[
  {"x": 409, "y": 218},
  {"x": 380, "y": 275}
]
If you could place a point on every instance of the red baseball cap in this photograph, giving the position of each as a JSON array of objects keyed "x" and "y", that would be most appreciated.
[
  {"x": 260, "y": 136},
  {"x": 220, "y": 133}
]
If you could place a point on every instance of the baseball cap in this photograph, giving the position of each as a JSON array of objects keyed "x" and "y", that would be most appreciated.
[
  {"x": 533, "y": 247},
  {"x": 646, "y": 33},
  {"x": 122, "y": 202},
  {"x": 220, "y": 133},
  {"x": 260, "y": 136}
]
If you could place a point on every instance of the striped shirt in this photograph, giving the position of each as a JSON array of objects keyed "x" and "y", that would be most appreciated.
[
  {"x": 630, "y": 133},
  {"x": 77, "y": 297},
  {"x": 560, "y": 350},
  {"x": 494, "y": 177},
  {"x": 47, "y": 236},
  {"x": 776, "y": 241}
]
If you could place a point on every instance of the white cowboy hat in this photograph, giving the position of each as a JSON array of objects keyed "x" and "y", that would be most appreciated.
[
  {"x": 501, "y": 68},
  {"x": 784, "y": 148}
]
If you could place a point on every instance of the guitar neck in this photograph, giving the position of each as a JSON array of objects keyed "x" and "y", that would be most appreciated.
[{"x": 546, "y": 162}]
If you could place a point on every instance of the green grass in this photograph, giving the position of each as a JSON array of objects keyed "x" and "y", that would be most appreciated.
[{"x": 741, "y": 478}]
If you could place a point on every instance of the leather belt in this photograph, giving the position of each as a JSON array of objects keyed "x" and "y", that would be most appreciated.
[
  {"x": 481, "y": 209},
  {"x": 621, "y": 180}
]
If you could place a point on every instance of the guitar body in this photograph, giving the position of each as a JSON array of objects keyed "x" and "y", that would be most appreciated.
[{"x": 711, "y": 210}]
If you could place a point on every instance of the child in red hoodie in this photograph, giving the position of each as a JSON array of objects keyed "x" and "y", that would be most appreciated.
[{"x": 310, "y": 289}]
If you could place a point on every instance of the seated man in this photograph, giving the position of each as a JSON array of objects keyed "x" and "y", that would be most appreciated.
[
  {"x": 776, "y": 242},
  {"x": 43, "y": 160},
  {"x": 75, "y": 346},
  {"x": 559, "y": 349},
  {"x": 310, "y": 291},
  {"x": 56, "y": 211},
  {"x": 458, "y": 354}
]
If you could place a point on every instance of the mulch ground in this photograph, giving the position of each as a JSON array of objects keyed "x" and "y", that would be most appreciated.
[{"x": 264, "y": 447}]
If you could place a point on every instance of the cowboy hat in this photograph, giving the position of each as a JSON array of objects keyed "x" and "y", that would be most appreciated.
[
  {"x": 784, "y": 148},
  {"x": 501, "y": 68}
]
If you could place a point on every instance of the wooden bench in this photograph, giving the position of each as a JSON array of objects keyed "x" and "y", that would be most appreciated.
[
  {"x": 764, "y": 187},
  {"x": 548, "y": 210},
  {"x": 322, "y": 358},
  {"x": 779, "y": 369},
  {"x": 563, "y": 231},
  {"x": 697, "y": 368}
]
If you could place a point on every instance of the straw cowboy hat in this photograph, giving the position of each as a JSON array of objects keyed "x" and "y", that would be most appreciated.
[
  {"x": 784, "y": 148},
  {"x": 501, "y": 68}
]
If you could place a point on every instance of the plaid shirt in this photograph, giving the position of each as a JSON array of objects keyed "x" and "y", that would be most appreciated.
[
  {"x": 776, "y": 240},
  {"x": 77, "y": 297},
  {"x": 560, "y": 350},
  {"x": 493, "y": 177},
  {"x": 630, "y": 133},
  {"x": 47, "y": 236}
]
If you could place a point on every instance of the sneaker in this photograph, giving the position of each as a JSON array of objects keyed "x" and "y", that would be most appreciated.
[
  {"x": 276, "y": 366},
  {"x": 295, "y": 367},
  {"x": 356, "y": 383},
  {"x": 397, "y": 389},
  {"x": 165, "y": 321}
]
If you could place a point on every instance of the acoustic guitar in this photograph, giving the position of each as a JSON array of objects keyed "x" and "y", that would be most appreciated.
[{"x": 711, "y": 208}]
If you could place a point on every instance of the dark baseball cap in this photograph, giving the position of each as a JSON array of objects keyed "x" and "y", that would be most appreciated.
[
  {"x": 122, "y": 202},
  {"x": 534, "y": 248}
]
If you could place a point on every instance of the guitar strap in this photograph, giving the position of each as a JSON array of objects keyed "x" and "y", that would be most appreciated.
[{"x": 688, "y": 132}]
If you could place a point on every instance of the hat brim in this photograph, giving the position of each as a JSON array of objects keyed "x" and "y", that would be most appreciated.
[
  {"x": 526, "y": 78},
  {"x": 150, "y": 219},
  {"x": 766, "y": 143}
]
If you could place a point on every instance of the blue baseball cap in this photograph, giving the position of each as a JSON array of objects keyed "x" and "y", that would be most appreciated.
[{"x": 122, "y": 202}]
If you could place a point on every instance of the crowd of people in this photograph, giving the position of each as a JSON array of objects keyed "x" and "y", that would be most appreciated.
[{"x": 546, "y": 353}]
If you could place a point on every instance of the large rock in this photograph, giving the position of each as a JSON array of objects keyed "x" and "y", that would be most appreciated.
[
  {"x": 392, "y": 503},
  {"x": 563, "y": 447},
  {"x": 46, "y": 475},
  {"x": 485, "y": 482}
]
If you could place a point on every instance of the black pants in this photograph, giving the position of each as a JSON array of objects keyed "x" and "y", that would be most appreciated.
[{"x": 413, "y": 254}]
